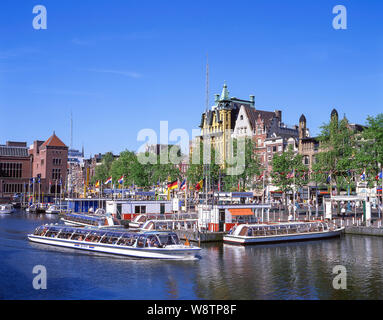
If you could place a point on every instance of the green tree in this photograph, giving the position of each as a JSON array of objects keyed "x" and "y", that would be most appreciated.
[
  {"x": 288, "y": 171},
  {"x": 102, "y": 171},
  {"x": 128, "y": 166},
  {"x": 195, "y": 171},
  {"x": 245, "y": 168},
  {"x": 370, "y": 148},
  {"x": 336, "y": 157}
]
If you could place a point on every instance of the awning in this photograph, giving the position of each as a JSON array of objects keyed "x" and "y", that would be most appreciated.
[{"x": 241, "y": 212}]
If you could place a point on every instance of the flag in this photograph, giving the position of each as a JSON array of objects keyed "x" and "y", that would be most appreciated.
[
  {"x": 379, "y": 176},
  {"x": 121, "y": 180},
  {"x": 363, "y": 175},
  {"x": 329, "y": 178},
  {"x": 97, "y": 184},
  {"x": 183, "y": 185},
  {"x": 260, "y": 177},
  {"x": 108, "y": 180},
  {"x": 173, "y": 185},
  {"x": 199, "y": 185}
]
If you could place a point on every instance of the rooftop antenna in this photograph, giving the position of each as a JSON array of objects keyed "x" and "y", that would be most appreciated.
[
  {"x": 206, "y": 166},
  {"x": 71, "y": 130},
  {"x": 71, "y": 147}
]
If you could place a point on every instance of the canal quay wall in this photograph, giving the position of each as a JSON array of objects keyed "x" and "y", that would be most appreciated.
[{"x": 366, "y": 231}]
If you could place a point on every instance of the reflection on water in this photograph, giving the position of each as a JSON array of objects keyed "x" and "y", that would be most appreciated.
[{"x": 300, "y": 270}]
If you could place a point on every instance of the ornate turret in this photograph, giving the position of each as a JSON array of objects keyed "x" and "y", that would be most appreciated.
[
  {"x": 302, "y": 127},
  {"x": 225, "y": 92},
  {"x": 334, "y": 113}
]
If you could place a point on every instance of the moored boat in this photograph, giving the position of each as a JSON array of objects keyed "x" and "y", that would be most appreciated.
[
  {"x": 6, "y": 208},
  {"x": 281, "y": 232},
  {"x": 36, "y": 208},
  {"x": 187, "y": 224},
  {"x": 89, "y": 220},
  {"x": 53, "y": 209},
  {"x": 155, "y": 244}
]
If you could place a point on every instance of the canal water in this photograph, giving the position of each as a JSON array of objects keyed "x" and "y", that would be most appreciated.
[{"x": 280, "y": 271}]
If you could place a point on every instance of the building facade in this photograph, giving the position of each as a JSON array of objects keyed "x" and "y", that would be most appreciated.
[
  {"x": 49, "y": 164},
  {"x": 217, "y": 124},
  {"x": 15, "y": 169}
]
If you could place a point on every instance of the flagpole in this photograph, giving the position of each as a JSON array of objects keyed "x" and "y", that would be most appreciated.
[{"x": 294, "y": 194}]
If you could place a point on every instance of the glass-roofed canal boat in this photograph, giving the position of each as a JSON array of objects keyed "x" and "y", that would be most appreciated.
[
  {"x": 153, "y": 244},
  {"x": 281, "y": 232},
  {"x": 91, "y": 220}
]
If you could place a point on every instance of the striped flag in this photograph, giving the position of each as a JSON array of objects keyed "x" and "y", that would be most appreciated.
[
  {"x": 183, "y": 185},
  {"x": 173, "y": 185},
  {"x": 109, "y": 180},
  {"x": 199, "y": 185}
]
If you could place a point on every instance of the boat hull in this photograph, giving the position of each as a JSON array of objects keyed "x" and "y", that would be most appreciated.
[
  {"x": 243, "y": 240},
  {"x": 6, "y": 211},
  {"x": 151, "y": 253}
]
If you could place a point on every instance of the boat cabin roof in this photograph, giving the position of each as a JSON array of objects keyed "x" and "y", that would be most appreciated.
[
  {"x": 109, "y": 233},
  {"x": 85, "y": 216}
]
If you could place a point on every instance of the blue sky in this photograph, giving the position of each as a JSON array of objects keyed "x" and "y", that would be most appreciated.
[{"x": 120, "y": 66}]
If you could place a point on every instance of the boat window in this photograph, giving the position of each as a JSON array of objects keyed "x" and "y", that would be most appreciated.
[
  {"x": 141, "y": 241},
  {"x": 169, "y": 239},
  {"x": 243, "y": 232},
  {"x": 150, "y": 226},
  {"x": 152, "y": 241},
  {"x": 51, "y": 233},
  {"x": 141, "y": 219}
]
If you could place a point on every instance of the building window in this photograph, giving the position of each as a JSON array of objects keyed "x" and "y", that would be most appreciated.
[
  {"x": 10, "y": 169},
  {"x": 241, "y": 117},
  {"x": 139, "y": 209},
  {"x": 56, "y": 174},
  {"x": 57, "y": 162},
  {"x": 280, "y": 148}
]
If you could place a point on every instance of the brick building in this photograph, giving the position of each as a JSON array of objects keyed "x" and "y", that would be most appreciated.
[
  {"x": 49, "y": 163},
  {"x": 15, "y": 169}
]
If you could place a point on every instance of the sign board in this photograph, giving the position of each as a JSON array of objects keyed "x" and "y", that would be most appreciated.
[
  {"x": 328, "y": 210},
  {"x": 176, "y": 206},
  {"x": 368, "y": 210}
]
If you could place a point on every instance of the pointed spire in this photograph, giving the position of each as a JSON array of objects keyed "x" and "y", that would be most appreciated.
[{"x": 225, "y": 92}]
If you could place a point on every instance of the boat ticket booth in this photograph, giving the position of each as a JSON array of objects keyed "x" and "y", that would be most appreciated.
[
  {"x": 129, "y": 209},
  {"x": 221, "y": 218}
]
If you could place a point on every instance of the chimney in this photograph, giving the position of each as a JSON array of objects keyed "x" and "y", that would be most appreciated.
[{"x": 278, "y": 114}]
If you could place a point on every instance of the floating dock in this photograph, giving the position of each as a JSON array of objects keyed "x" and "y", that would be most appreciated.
[{"x": 200, "y": 237}]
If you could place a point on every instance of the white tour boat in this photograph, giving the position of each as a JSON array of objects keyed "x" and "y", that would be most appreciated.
[
  {"x": 171, "y": 224},
  {"x": 155, "y": 244},
  {"x": 89, "y": 220},
  {"x": 6, "y": 208},
  {"x": 281, "y": 232},
  {"x": 53, "y": 209}
]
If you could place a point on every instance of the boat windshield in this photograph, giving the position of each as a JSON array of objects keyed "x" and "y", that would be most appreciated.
[{"x": 168, "y": 238}]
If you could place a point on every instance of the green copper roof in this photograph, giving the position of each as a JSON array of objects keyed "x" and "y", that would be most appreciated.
[{"x": 225, "y": 92}]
